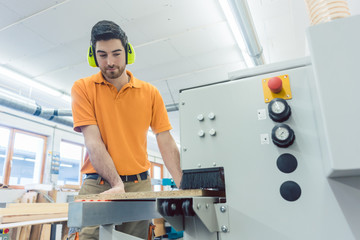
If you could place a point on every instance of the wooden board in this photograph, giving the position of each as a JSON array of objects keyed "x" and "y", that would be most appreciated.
[
  {"x": 22, "y": 218},
  {"x": 150, "y": 195},
  {"x": 17, "y": 212},
  {"x": 33, "y": 208},
  {"x": 45, "y": 232},
  {"x": 23, "y": 233}
]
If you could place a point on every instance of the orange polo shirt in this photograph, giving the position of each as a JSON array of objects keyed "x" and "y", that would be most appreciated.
[{"x": 123, "y": 118}]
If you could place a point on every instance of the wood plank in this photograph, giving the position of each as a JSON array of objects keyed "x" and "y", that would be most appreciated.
[
  {"x": 33, "y": 208},
  {"x": 151, "y": 195},
  {"x": 45, "y": 232},
  {"x": 32, "y": 217},
  {"x": 24, "y": 232},
  {"x": 35, "y": 232}
]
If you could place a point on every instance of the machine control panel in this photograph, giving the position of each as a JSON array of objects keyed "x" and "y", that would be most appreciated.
[{"x": 269, "y": 147}]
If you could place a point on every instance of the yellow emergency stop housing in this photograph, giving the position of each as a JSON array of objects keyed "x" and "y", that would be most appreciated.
[{"x": 285, "y": 92}]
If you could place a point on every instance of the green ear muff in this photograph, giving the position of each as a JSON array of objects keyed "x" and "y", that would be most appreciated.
[
  {"x": 91, "y": 57},
  {"x": 130, "y": 57}
]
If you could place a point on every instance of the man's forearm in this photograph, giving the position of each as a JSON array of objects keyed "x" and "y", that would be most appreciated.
[
  {"x": 104, "y": 165},
  {"x": 170, "y": 154},
  {"x": 172, "y": 163},
  {"x": 99, "y": 156}
]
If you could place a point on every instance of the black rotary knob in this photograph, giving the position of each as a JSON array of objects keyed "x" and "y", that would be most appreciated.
[
  {"x": 279, "y": 110},
  {"x": 282, "y": 135}
]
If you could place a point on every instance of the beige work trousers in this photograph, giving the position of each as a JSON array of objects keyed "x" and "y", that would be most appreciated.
[{"x": 95, "y": 186}]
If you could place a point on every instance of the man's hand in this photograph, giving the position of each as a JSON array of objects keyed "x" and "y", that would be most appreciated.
[{"x": 116, "y": 189}]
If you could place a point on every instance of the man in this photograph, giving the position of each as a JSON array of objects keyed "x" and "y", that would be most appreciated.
[{"x": 114, "y": 111}]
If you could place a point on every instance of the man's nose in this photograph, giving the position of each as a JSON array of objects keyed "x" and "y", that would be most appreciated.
[{"x": 110, "y": 61}]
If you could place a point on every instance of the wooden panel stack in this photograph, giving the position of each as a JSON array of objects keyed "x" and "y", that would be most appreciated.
[
  {"x": 28, "y": 213},
  {"x": 20, "y": 212}
]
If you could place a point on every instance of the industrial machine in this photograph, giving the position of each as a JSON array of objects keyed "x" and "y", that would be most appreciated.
[{"x": 285, "y": 139}]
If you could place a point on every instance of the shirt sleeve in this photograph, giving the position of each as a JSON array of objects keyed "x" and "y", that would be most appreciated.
[
  {"x": 82, "y": 107},
  {"x": 159, "y": 120}
]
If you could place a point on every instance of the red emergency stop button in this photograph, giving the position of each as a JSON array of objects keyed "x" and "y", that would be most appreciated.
[{"x": 275, "y": 84}]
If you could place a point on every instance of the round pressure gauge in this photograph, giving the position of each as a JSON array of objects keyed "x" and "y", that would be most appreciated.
[
  {"x": 282, "y": 135},
  {"x": 279, "y": 110}
]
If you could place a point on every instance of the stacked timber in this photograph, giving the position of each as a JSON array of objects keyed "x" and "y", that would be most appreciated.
[{"x": 21, "y": 212}]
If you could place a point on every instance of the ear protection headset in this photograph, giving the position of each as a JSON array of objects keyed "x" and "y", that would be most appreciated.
[{"x": 130, "y": 55}]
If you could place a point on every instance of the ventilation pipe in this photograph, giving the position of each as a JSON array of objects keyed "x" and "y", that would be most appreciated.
[
  {"x": 244, "y": 21},
  {"x": 29, "y": 106}
]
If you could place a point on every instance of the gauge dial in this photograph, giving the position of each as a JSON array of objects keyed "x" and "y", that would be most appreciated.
[
  {"x": 282, "y": 135},
  {"x": 278, "y": 107},
  {"x": 279, "y": 110}
]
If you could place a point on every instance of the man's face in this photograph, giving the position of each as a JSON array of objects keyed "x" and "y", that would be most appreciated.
[{"x": 110, "y": 56}]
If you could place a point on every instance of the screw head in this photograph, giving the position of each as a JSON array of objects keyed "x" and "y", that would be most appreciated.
[
  {"x": 222, "y": 209},
  {"x": 224, "y": 229},
  {"x": 211, "y": 116},
  {"x": 200, "y": 117},
  {"x": 212, "y": 132},
  {"x": 201, "y": 133}
]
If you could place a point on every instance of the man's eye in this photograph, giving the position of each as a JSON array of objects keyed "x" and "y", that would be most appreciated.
[
  {"x": 102, "y": 56},
  {"x": 116, "y": 54}
]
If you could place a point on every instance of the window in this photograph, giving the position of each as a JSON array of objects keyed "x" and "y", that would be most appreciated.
[
  {"x": 22, "y": 157},
  {"x": 28, "y": 158},
  {"x": 4, "y": 145},
  {"x": 71, "y": 159}
]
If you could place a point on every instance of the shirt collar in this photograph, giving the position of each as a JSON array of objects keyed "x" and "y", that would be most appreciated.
[{"x": 134, "y": 82}]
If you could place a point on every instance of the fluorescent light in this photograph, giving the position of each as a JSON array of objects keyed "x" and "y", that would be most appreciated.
[
  {"x": 236, "y": 32},
  {"x": 21, "y": 78}
]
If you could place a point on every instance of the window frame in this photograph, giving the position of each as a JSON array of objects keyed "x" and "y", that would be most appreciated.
[{"x": 10, "y": 153}]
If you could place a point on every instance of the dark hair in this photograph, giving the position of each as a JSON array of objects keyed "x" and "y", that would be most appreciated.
[{"x": 106, "y": 30}]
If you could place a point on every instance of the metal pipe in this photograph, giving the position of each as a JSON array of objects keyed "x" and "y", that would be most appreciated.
[
  {"x": 30, "y": 106},
  {"x": 244, "y": 21}
]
